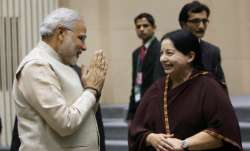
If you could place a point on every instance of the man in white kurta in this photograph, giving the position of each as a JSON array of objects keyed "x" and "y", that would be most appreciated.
[{"x": 55, "y": 113}]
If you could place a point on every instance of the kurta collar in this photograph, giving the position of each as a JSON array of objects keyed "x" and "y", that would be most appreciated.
[{"x": 50, "y": 51}]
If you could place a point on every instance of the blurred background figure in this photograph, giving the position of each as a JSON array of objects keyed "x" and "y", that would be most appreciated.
[
  {"x": 194, "y": 17},
  {"x": 146, "y": 67},
  {"x": 0, "y": 126}
]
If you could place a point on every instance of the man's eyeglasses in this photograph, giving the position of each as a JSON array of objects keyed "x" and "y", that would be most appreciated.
[
  {"x": 82, "y": 37},
  {"x": 198, "y": 21}
]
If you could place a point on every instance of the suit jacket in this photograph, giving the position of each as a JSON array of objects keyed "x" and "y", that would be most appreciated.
[
  {"x": 0, "y": 125},
  {"x": 211, "y": 60},
  {"x": 54, "y": 112},
  {"x": 151, "y": 70}
]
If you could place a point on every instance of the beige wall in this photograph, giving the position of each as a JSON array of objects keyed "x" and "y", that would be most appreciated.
[{"x": 110, "y": 27}]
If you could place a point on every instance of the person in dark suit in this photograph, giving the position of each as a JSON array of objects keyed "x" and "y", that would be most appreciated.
[
  {"x": 0, "y": 126},
  {"x": 146, "y": 67},
  {"x": 15, "y": 142},
  {"x": 194, "y": 17}
]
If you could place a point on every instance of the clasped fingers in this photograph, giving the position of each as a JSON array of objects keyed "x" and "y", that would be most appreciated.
[
  {"x": 96, "y": 73},
  {"x": 159, "y": 141},
  {"x": 100, "y": 62}
]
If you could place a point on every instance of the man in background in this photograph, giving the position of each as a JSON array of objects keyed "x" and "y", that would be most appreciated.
[
  {"x": 0, "y": 126},
  {"x": 194, "y": 16},
  {"x": 146, "y": 67}
]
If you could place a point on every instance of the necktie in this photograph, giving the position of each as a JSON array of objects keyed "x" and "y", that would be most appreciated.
[
  {"x": 142, "y": 53},
  {"x": 139, "y": 76}
]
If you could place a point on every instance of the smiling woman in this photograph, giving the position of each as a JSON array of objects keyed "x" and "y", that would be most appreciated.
[
  {"x": 180, "y": 55},
  {"x": 186, "y": 109}
]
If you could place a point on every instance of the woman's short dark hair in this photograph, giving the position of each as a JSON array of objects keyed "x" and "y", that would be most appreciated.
[
  {"x": 194, "y": 7},
  {"x": 148, "y": 16},
  {"x": 186, "y": 42}
]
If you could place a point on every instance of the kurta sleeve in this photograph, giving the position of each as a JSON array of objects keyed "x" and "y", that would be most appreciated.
[
  {"x": 41, "y": 88},
  {"x": 220, "y": 117}
]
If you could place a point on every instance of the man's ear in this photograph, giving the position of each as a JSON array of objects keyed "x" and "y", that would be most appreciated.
[
  {"x": 182, "y": 24},
  {"x": 191, "y": 56},
  {"x": 59, "y": 32}
]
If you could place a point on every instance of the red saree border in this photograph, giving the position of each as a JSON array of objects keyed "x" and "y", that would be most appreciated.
[{"x": 221, "y": 137}]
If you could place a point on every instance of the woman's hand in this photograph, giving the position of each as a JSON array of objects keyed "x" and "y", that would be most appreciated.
[
  {"x": 175, "y": 143},
  {"x": 159, "y": 141}
]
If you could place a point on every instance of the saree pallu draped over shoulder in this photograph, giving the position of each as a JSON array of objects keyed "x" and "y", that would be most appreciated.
[{"x": 198, "y": 104}]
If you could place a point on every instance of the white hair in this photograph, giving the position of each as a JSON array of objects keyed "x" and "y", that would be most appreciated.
[{"x": 61, "y": 16}]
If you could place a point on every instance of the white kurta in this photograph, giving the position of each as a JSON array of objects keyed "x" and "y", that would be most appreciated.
[{"x": 53, "y": 110}]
